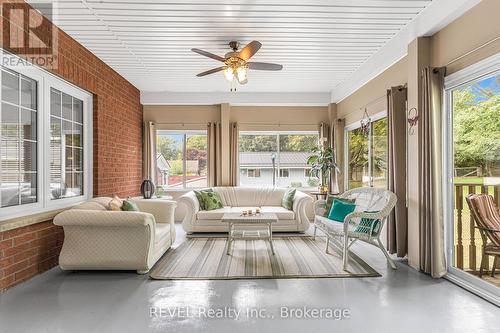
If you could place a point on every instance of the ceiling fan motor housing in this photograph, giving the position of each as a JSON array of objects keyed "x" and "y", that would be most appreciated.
[{"x": 235, "y": 45}]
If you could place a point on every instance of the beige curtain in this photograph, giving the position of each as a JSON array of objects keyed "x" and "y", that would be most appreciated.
[
  {"x": 397, "y": 227},
  {"x": 149, "y": 151},
  {"x": 233, "y": 155},
  {"x": 214, "y": 154},
  {"x": 432, "y": 255},
  {"x": 338, "y": 147}
]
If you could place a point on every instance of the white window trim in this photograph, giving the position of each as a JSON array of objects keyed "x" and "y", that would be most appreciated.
[
  {"x": 184, "y": 132},
  {"x": 482, "y": 69},
  {"x": 347, "y": 129},
  {"x": 45, "y": 80}
]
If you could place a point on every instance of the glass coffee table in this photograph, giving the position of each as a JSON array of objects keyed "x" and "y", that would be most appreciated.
[{"x": 238, "y": 227}]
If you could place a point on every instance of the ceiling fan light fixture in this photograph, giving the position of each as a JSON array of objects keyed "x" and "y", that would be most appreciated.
[
  {"x": 241, "y": 73},
  {"x": 229, "y": 74}
]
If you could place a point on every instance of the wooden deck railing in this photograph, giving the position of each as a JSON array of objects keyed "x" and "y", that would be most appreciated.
[{"x": 468, "y": 242}]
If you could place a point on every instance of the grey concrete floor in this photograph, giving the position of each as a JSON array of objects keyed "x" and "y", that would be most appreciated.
[{"x": 400, "y": 301}]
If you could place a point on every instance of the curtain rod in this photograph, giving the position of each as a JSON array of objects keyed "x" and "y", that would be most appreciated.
[
  {"x": 179, "y": 123},
  {"x": 472, "y": 51},
  {"x": 278, "y": 124}
]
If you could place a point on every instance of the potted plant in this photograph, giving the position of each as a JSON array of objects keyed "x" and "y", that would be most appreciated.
[{"x": 322, "y": 162}]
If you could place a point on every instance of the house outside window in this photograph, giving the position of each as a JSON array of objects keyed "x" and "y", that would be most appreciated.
[
  {"x": 284, "y": 173},
  {"x": 282, "y": 154},
  {"x": 46, "y": 141},
  {"x": 181, "y": 159},
  {"x": 253, "y": 173}
]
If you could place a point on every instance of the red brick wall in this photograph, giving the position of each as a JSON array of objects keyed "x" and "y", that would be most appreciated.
[
  {"x": 27, "y": 251},
  {"x": 117, "y": 146},
  {"x": 117, "y": 108}
]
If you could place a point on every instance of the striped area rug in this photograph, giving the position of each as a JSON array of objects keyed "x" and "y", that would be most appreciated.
[{"x": 296, "y": 257}]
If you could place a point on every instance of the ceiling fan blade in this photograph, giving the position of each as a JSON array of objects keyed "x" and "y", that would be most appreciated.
[
  {"x": 208, "y": 54},
  {"x": 249, "y": 50},
  {"x": 264, "y": 66},
  {"x": 211, "y": 71}
]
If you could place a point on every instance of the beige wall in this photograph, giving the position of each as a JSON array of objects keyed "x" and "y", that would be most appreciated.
[
  {"x": 175, "y": 116},
  {"x": 478, "y": 26},
  {"x": 372, "y": 95},
  {"x": 279, "y": 117},
  {"x": 462, "y": 40}
]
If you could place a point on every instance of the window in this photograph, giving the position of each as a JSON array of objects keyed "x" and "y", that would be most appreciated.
[
  {"x": 253, "y": 173},
  {"x": 280, "y": 158},
  {"x": 19, "y": 116},
  {"x": 46, "y": 140},
  {"x": 367, "y": 154},
  {"x": 181, "y": 159},
  {"x": 284, "y": 173},
  {"x": 66, "y": 150}
]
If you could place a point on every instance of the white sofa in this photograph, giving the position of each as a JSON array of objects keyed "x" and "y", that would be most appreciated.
[
  {"x": 98, "y": 239},
  {"x": 237, "y": 199}
]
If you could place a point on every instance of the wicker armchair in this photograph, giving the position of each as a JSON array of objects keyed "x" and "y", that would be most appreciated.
[
  {"x": 485, "y": 213},
  {"x": 371, "y": 203}
]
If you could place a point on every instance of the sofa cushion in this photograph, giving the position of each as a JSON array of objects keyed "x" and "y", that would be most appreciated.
[
  {"x": 90, "y": 205},
  {"x": 129, "y": 206},
  {"x": 210, "y": 200},
  {"x": 287, "y": 201},
  {"x": 340, "y": 209},
  {"x": 250, "y": 196},
  {"x": 281, "y": 213},
  {"x": 200, "y": 197},
  {"x": 215, "y": 214}
]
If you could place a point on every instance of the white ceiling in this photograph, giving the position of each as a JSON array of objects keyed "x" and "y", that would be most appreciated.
[{"x": 319, "y": 42}]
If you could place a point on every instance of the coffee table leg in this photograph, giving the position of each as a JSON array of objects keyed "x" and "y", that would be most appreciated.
[
  {"x": 271, "y": 237},
  {"x": 229, "y": 238}
]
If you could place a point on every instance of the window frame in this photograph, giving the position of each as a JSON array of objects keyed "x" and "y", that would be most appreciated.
[
  {"x": 287, "y": 172},
  {"x": 184, "y": 134},
  {"x": 45, "y": 80},
  {"x": 351, "y": 127},
  {"x": 255, "y": 174}
]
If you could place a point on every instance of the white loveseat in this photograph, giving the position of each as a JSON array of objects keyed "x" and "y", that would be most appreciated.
[
  {"x": 237, "y": 199},
  {"x": 96, "y": 238}
]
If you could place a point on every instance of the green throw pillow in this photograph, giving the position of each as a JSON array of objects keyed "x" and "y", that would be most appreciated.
[
  {"x": 287, "y": 201},
  {"x": 200, "y": 199},
  {"x": 329, "y": 202},
  {"x": 129, "y": 206},
  {"x": 365, "y": 225},
  {"x": 340, "y": 209},
  {"x": 211, "y": 200}
]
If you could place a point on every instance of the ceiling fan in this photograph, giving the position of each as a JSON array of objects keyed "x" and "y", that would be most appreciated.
[{"x": 236, "y": 63}]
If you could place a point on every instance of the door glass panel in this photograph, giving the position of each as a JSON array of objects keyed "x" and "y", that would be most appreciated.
[{"x": 475, "y": 111}]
